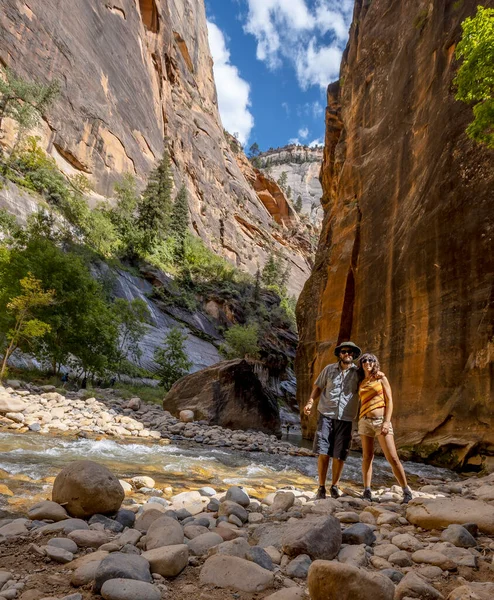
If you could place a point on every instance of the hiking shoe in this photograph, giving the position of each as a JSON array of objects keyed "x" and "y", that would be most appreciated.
[
  {"x": 321, "y": 493},
  {"x": 407, "y": 496},
  {"x": 335, "y": 492},
  {"x": 367, "y": 495}
]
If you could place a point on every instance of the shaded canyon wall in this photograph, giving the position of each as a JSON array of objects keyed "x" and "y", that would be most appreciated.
[{"x": 404, "y": 266}]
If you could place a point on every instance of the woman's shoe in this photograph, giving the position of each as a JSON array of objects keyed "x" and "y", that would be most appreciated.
[
  {"x": 367, "y": 495},
  {"x": 407, "y": 496}
]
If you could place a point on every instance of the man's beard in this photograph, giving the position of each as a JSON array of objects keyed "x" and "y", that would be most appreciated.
[{"x": 347, "y": 360}]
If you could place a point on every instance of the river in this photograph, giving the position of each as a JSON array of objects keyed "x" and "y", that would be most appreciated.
[{"x": 29, "y": 463}]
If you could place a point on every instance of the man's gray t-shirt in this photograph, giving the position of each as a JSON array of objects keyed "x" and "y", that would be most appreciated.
[{"x": 339, "y": 392}]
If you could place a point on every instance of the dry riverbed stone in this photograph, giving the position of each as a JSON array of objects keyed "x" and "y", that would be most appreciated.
[
  {"x": 47, "y": 511},
  {"x": 236, "y": 573},
  {"x": 319, "y": 538},
  {"x": 126, "y": 589},
  {"x": 168, "y": 561},
  {"x": 86, "y": 488},
  {"x": 122, "y": 566},
  {"x": 336, "y": 581}
]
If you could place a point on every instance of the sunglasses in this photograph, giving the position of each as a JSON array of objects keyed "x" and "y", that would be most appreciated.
[
  {"x": 346, "y": 352},
  {"x": 367, "y": 360}
]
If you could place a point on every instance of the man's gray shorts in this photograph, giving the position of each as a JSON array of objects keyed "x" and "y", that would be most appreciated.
[{"x": 333, "y": 437}]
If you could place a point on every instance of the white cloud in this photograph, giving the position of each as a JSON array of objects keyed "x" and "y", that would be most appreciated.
[
  {"x": 303, "y": 133},
  {"x": 309, "y": 35},
  {"x": 233, "y": 91},
  {"x": 316, "y": 142},
  {"x": 286, "y": 108}
]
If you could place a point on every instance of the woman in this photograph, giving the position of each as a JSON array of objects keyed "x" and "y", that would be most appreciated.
[{"x": 376, "y": 408}]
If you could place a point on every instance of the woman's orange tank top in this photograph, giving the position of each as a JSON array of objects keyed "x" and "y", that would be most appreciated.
[{"x": 371, "y": 395}]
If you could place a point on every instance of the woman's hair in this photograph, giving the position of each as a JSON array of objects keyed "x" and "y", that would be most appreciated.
[{"x": 375, "y": 368}]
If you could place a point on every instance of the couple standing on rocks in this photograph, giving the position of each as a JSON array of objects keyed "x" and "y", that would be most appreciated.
[{"x": 345, "y": 391}]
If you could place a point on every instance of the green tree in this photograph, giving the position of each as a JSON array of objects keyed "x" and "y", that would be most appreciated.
[
  {"x": 172, "y": 359},
  {"x": 475, "y": 78},
  {"x": 179, "y": 223},
  {"x": 131, "y": 318},
  {"x": 83, "y": 328},
  {"x": 242, "y": 341},
  {"x": 123, "y": 216},
  {"x": 282, "y": 180},
  {"x": 154, "y": 207},
  {"x": 24, "y": 101},
  {"x": 21, "y": 310},
  {"x": 298, "y": 204},
  {"x": 254, "y": 150},
  {"x": 288, "y": 192}
]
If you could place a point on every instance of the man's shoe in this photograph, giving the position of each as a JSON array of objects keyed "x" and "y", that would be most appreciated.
[
  {"x": 335, "y": 492},
  {"x": 321, "y": 493},
  {"x": 367, "y": 495},
  {"x": 407, "y": 496}
]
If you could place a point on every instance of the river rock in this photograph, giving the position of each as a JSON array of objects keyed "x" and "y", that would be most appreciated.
[
  {"x": 10, "y": 404},
  {"x": 319, "y": 538},
  {"x": 237, "y": 547},
  {"x": 15, "y": 528},
  {"x": 125, "y": 566},
  {"x": 228, "y": 508},
  {"x": 336, "y": 581},
  {"x": 400, "y": 559},
  {"x": 58, "y": 554},
  {"x": 126, "y": 589},
  {"x": 238, "y": 495},
  {"x": 64, "y": 543},
  {"x": 231, "y": 572},
  {"x": 193, "y": 531},
  {"x": 142, "y": 481},
  {"x": 107, "y": 523},
  {"x": 89, "y": 538},
  {"x": 354, "y": 555},
  {"x": 84, "y": 574},
  {"x": 167, "y": 561},
  {"x": 86, "y": 488},
  {"x": 260, "y": 557},
  {"x": 405, "y": 541},
  {"x": 413, "y": 586},
  {"x": 473, "y": 591},
  {"x": 437, "y": 559},
  {"x": 459, "y": 536},
  {"x": 200, "y": 545},
  {"x": 164, "y": 532},
  {"x": 149, "y": 516},
  {"x": 283, "y": 501},
  {"x": 47, "y": 511},
  {"x": 360, "y": 533},
  {"x": 438, "y": 514},
  {"x": 299, "y": 566},
  {"x": 186, "y": 416}
]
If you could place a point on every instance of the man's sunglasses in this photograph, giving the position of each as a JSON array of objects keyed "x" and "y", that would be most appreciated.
[
  {"x": 346, "y": 352},
  {"x": 367, "y": 360}
]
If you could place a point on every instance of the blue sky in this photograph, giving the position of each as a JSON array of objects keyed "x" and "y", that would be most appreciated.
[{"x": 273, "y": 60}]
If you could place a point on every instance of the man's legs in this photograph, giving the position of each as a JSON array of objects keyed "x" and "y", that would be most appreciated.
[
  {"x": 322, "y": 468},
  {"x": 336, "y": 470}
]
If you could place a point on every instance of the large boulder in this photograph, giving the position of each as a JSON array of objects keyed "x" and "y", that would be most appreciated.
[
  {"x": 336, "y": 581},
  {"x": 318, "y": 538},
  {"x": 440, "y": 513},
  {"x": 9, "y": 404},
  {"x": 229, "y": 394},
  {"x": 86, "y": 488}
]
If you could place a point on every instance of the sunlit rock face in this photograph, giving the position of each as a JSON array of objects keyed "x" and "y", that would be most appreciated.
[
  {"x": 405, "y": 263},
  {"x": 133, "y": 72}
]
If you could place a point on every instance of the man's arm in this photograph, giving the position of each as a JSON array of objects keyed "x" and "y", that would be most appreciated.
[{"x": 316, "y": 392}]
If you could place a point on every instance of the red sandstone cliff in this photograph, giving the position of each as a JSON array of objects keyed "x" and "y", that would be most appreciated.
[
  {"x": 131, "y": 73},
  {"x": 405, "y": 260}
]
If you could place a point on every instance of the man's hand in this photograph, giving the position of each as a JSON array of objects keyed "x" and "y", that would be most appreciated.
[
  {"x": 308, "y": 407},
  {"x": 385, "y": 428}
]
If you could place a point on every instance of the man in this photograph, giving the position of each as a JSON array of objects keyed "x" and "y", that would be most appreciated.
[{"x": 337, "y": 388}]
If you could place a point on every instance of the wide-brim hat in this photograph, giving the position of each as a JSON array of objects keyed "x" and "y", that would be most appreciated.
[{"x": 356, "y": 350}]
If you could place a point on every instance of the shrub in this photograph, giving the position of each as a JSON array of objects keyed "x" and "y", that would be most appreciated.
[
  {"x": 172, "y": 359},
  {"x": 242, "y": 341}
]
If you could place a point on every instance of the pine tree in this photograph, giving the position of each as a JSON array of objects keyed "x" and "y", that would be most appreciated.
[
  {"x": 298, "y": 204},
  {"x": 172, "y": 359},
  {"x": 282, "y": 180},
  {"x": 179, "y": 222},
  {"x": 155, "y": 206},
  {"x": 288, "y": 192}
]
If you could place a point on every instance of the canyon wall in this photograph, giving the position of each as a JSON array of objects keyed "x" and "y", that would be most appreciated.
[
  {"x": 133, "y": 72},
  {"x": 404, "y": 266}
]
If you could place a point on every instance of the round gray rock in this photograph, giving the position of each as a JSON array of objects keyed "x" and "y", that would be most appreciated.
[
  {"x": 318, "y": 538},
  {"x": 121, "y": 566},
  {"x": 127, "y": 589}
]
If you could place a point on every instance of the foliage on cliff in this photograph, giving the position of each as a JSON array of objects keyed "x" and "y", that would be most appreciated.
[{"x": 475, "y": 78}]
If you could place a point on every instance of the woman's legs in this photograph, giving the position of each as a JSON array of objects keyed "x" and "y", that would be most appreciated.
[
  {"x": 367, "y": 458},
  {"x": 387, "y": 443}
]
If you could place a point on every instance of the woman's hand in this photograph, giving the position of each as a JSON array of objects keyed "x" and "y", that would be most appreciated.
[
  {"x": 308, "y": 407},
  {"x": 385, "y": 428}
]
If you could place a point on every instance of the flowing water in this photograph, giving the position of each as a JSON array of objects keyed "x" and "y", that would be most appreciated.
[{"x": 29, "y": 463}]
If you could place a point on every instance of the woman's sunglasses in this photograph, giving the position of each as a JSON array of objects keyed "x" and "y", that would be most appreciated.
[{"x": 367, "y": 360}]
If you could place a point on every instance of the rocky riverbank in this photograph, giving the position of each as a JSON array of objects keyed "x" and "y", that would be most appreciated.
[
  {"x": 43, "y": 409},
  {"x": 214, "y": 545}
]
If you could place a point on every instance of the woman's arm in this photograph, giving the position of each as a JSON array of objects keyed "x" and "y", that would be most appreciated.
[{"x": 388, "y": 399}]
